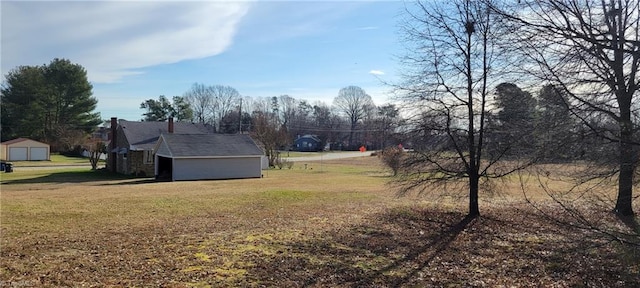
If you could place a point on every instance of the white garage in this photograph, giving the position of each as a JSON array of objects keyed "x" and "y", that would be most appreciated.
[
  {"x": 39, "y": 153},
  {"x": 18, "y": 153},
  {"x": 207, "y": 156},
  {"x": 24, "y": 149}
]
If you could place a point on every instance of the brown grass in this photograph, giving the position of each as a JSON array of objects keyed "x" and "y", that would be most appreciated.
[{"x": 333, "y": 224}]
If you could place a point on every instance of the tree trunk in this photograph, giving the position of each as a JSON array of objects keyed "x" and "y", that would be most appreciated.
[
  {"x": 474, "y": 209},
  {"x": 353, "y": 127},
  {"x": 93, "y": 159},
  {"x": 473, "y": 163},
  {"x": 627, "y": 164}
]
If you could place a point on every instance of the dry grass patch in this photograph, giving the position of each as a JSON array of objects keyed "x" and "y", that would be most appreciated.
[{"x": 335, "y": 223}]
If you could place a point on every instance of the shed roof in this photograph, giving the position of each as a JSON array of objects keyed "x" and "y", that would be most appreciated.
[
  {"x": 309, "y": 136},
  {"x": 18, "y": 140},
  {"x": 210, "y": 145},
  {"x": 143, "y": 135}
]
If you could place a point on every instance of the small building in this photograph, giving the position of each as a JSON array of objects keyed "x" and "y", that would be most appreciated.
[
  {"x": 308, "y": 143},
  {"x": 24, "y": 149},
  {"x": 207, "y": 157},
  {"x": 132, "y": 142}
]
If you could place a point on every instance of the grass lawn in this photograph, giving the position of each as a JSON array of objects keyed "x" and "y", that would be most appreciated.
[
  {"x": 341, "y": 225},
  {"x": 288, "y": 154},
  {"x": 295, "y": 154},
  {"x": 57, "y": 160}
]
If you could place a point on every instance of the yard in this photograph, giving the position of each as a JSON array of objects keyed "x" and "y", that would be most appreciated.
[
  {"x": 332, "y": 224},
  {"x": 57, "y": 160}
]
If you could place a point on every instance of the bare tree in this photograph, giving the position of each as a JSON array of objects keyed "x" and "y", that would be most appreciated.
[
  {"x": 354, "y": 102},
  {"x": 200, "y": 98},
  {"x": 226, "y": 99},
  {"x": 287, "y": 105},
  {"x": 96, "y": 148},
  {"x": 453, "y": 61},
  {"x": 589, "y": 51},
  {"x": 267, "y": 130}
]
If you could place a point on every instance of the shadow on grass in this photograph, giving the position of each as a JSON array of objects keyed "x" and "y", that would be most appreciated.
[
  {"x": 422, "y": 254},
  {"x": 631, "y": 222},
  {"x": 135, "y": 182},
  {"x": 83, "y": 176},
  {"x": 409, "y": 247},
  {"x": 388, "y": 252}
]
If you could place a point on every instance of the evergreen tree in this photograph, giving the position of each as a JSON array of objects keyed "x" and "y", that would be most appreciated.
[
  {"x": 48, "y": 103},
  {"x": 162, "y": 109},
  {"x": 554, "y": 129},
  {"x": 515, "y": 120}
]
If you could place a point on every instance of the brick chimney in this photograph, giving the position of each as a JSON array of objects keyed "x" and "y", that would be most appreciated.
[
  {"x": 170, "y": 124},
  {"x": 114, "y": 143}
]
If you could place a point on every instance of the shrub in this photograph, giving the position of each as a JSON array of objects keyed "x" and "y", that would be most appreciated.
[
  {"x": 284, "y": 163},
  {"x": 392, "y": 157}
]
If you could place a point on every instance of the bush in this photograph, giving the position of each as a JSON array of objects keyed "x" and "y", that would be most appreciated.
[
  {"x": 392, "y": 157},
  {"x": 284, "y": 163}
]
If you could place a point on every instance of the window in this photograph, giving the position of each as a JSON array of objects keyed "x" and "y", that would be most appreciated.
[{"x": 148, "y": 157}]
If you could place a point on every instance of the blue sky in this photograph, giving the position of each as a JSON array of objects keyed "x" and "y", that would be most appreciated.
[{"x": 137, "y": 50}]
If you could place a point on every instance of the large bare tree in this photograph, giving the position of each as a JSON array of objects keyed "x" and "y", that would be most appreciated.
[
  {"x": 354, "y": 102},
  {"x": 211, "y": 104},
  {"x": 590, "y": 51},
  {"x": 226, "y": 98},
  {"x": 451, "y": 65},
  {"x": 201, "y": 99}
]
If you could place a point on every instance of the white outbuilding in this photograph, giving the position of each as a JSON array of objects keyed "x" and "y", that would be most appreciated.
[
  {"x": 207, "y": 156},
  {"x": 24, "y": 149}
]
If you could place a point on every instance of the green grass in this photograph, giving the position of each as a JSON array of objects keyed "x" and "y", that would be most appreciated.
[
  {"x": 57, "y": 160},
  {"x": 58, "y": 175},
  {"x": 62, "y": 159},
  {"x": 293, "y": 154}
]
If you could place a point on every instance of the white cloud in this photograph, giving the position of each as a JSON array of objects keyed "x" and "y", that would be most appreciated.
[
  {"x": 376, "y": 72},
  {"x": 116, "y": 39}
]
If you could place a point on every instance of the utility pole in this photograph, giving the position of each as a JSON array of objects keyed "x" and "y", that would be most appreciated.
[{"x": 240, "y": 117}]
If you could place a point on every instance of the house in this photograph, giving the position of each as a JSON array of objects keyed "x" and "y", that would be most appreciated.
[
  {"x": 207, "y": 156},
  {"x": 308, "y": 143},
  {"x": 132, "y": 143},
  {"x": 24, "y": 149}
]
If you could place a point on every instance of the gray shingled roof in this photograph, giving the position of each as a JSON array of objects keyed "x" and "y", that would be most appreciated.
[
  {"x": 144, "y": 135},
  {"x": 211, "y": 145},
  {"x": 314, "y": 137}
]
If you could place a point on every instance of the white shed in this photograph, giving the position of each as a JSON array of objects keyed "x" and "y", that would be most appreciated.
[
  {"x": 207, "y": 156},
  {"x": 24, "y": 149}
]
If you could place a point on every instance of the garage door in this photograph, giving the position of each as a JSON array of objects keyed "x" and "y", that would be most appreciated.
[
  {"x": 38, "y": 153},
  {"x": 17, "y": 153}
]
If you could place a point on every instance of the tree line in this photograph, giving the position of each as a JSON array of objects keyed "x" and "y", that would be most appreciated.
[{"x": 351, "y": 122}]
